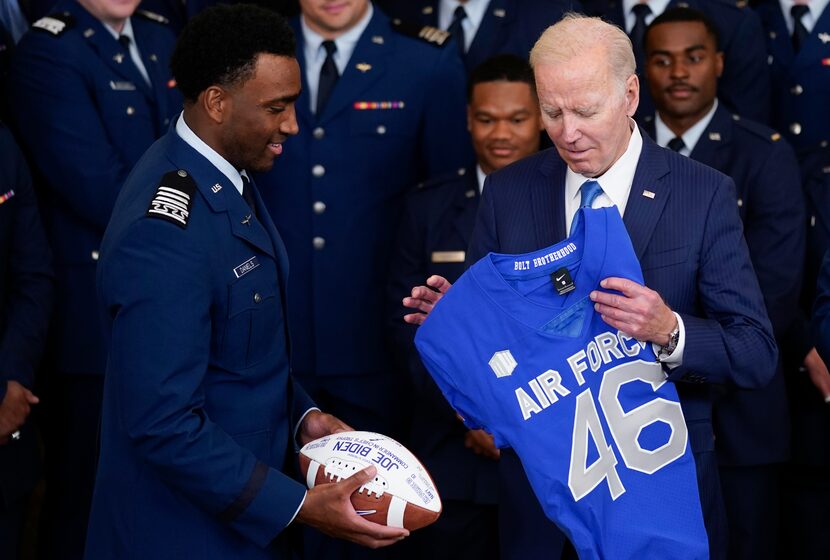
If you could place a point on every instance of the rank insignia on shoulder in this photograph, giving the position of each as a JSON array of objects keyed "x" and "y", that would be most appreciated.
[
  {"x": 152, "y": 16},
  {"x": 173, "y": 198},
  {"x": 427, "y": 33},
  {"x": 55, "y": 24},
  {"x": 6, "y": 196}
]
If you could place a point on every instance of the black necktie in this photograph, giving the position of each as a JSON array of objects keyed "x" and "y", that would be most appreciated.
[
  {"x": 328, "y": 77},
  {"x": 248, "y": 194},
  {"x": 800, "y": 32},
  {"x": 676, "y": 144},
  {"x": 638, "y": 33},
  {"x": 125, "y": 41},
  {"x": 457, "y": 30}
]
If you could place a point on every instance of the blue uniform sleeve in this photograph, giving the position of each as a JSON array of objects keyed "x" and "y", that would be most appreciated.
[
  {"x": 61, "y": 126},
  {"x": 29, "y": 289},
  {"x": 730, "y": 340},
  {"x": 156, "y": 286},
  {"x": 821, "y": 311}
]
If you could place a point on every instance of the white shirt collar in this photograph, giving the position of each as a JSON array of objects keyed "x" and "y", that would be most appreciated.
[
  {"x": 126, "y": 30},
  {"x": 809, "y": 20},
  {"x": 475, "y": 15},
  {"x": 346, "y": 43},
  {"x": 480, "y": 177},
  {"x": 657, "y": 8},
  {"x": 663, "y": 133},
  {"x": 615, "y": 183},
  {"x": 220, "y": 163}
]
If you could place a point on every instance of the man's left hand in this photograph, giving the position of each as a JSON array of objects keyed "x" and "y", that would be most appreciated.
[
  {"x": 637, "y": 311},
  {"x": 317, "y": 424}
]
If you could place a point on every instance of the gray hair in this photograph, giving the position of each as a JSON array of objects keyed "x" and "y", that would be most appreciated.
[{"x": 575, "y": 34}]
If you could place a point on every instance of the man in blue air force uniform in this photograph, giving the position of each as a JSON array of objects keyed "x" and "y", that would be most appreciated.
[
  {"x": 201, "y": 414},
  {"x": 90, "y": 89}
]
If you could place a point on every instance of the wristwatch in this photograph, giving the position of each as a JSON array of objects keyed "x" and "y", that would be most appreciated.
[{"x": 666, "y": 351}]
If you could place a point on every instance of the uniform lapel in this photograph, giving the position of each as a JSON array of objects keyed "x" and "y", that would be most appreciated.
[
  {"x": 466, "y": 203},
  {"x": 815, "y": 51},
  {"x": 548, "y": 200},
  {"x": 648, "y": 195},
  {"x": 154, "y": 67},
  {"x": 713, "y": 146},
  {"x": 491, "y": 32},
  {"x": 302, "y": 107},
  {"x": 428, "y": 13}
]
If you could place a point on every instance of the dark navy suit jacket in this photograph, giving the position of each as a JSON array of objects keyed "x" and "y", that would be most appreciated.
[
  {"x": 509, "y": 26},
  {"x": 800, "y": 82},
  {"x": 689, "y": 240},
  {"x": 26, "y": 296},
  {"x": 752, "y": 426},
  {"x": 199, "y": 405},
  {"x": 85, "y": 116},
  {"x": 433, "y": 237},
  {"x": 744, "y": 86}
]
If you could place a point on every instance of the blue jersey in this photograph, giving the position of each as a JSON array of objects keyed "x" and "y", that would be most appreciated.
[{"x": 519, "y": 351}]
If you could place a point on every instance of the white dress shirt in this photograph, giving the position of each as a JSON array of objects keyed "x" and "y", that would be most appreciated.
[
  {"x": 616, "y": 187},
  {"x": 663, "y": 134},
  {"x": 315, "y": 54},
  {"x": 480, "y": 176},
  {"x": 809, "y": 19},
  {"x": 220, "y": 163},
  {"x": 657, "y": 8},
  {"x": 135, "y": 55},
  {"x": 475, "y": 14}
]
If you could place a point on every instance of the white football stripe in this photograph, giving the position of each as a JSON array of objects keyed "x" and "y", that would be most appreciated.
[
  {"x": 311, "y": 475},
  {"x": 394, "y": 518}
]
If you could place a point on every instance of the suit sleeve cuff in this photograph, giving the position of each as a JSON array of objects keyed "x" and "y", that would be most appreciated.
[
  {"x": 299, "y": 425},
  {"x": 676, "y": 357}
]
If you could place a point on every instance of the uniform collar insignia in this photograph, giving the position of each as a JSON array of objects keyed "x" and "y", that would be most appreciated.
[{"x": 824, "y": 37}]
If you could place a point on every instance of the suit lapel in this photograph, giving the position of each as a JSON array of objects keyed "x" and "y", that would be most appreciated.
[
  {"x": 548, "y": 200},
  {"x": 643, "y": 210}
]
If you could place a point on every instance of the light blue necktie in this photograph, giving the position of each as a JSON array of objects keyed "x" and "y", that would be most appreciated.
[{"x": 589, "y": 191}]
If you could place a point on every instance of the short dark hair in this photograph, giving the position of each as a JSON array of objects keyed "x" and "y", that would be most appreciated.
[
  {"x": 501, "y": 68},
  {"x": 220, "y": 46},
  {"x": 680, "y": 15}
]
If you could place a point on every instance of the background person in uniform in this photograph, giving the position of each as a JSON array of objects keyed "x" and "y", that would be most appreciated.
[
  {"x": 744, "y": 87},
  {"x": 752, "y": 432},
  {"x": 178, "y": 12},
  {"x": 504, "y": 123},
  {"x": 701, "y": 306},
  {"x": 806, "y": 493},
  {"x": 27, "y": 294},
  {"x": 798, "y": 47},
  {"x": 90, "y": 89},
  {"x": 201, "y": 411},
  {"x": 482, "y": 28}
]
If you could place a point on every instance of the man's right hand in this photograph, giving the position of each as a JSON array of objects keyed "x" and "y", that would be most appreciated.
[
  {"x": 424, "y": 298},
  {"x": 328, "y": 508},
  {"x": 817, "y": 370},
  {"x": 15, "y": 409}
]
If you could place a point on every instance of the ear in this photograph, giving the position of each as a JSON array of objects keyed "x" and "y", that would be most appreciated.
[
  {"x": 216, "y": 102},
  {"x": 719, "y": 63},
  {"x": 632, "y": 94}
]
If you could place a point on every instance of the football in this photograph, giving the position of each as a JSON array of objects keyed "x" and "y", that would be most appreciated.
[{"x": 402, "y": 493}]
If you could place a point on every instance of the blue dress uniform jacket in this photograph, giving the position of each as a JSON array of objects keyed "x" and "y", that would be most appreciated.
[
  {"x": 508, "y": 27},
  {"x": 336, "y": 194},
  {"x": 800, "y": 82},
  {"x": 744, "y": 86},
  {"x": 752, "y": 426},
  {"x": 690, "y": 244},
  {"x": 199, "y": 406},
  {"x": 26, "y": 296},
  {"x": 85, "y": 116}
]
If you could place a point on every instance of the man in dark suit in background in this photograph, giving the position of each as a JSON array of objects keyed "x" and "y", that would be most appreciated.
[
  {"x": 26, "y": 295},
  {"x": 482, "y": 28},
  {"x": 504, "y": 123},
  {"x": 701, "y": 307},
  {"x": 683, "y": 64}
]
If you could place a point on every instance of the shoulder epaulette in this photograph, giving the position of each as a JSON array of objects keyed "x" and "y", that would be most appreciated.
[
  {"x": 152, "y": 16},
  {"x": 55, "y": 24},
  {"x": 757, "y": 129},
  {"x": 173, "y": 198},
  {"x": 427, "y": 33}
]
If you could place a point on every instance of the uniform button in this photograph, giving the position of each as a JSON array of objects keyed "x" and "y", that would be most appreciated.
[
  {"x": 166, "y": 122},
  {"x": 154, "y": 58},
  {"x": 319, "y": 243},
  {"x": 257, "y": 298},
  {"x": 319, "y": 207},
  {"x": 769, "y": 60},
  {"x": 130, "y": 110},
  {"x": 381, "y": 129},
  {"x": 797, "y": 89},
  {"x": 795, "y": 128},
  {"x": 318, "y": 133},
  {"x": 740, "y": 202},
  {"x": 318, "y": 170},
  {"x": 94, "y": 255}
]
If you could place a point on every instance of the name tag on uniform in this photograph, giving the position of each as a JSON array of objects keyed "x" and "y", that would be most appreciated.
[
  {"x": 122, "y": 86},
  {"x": 448, "y": 256},
  {"x": 246, "y": 267}
]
